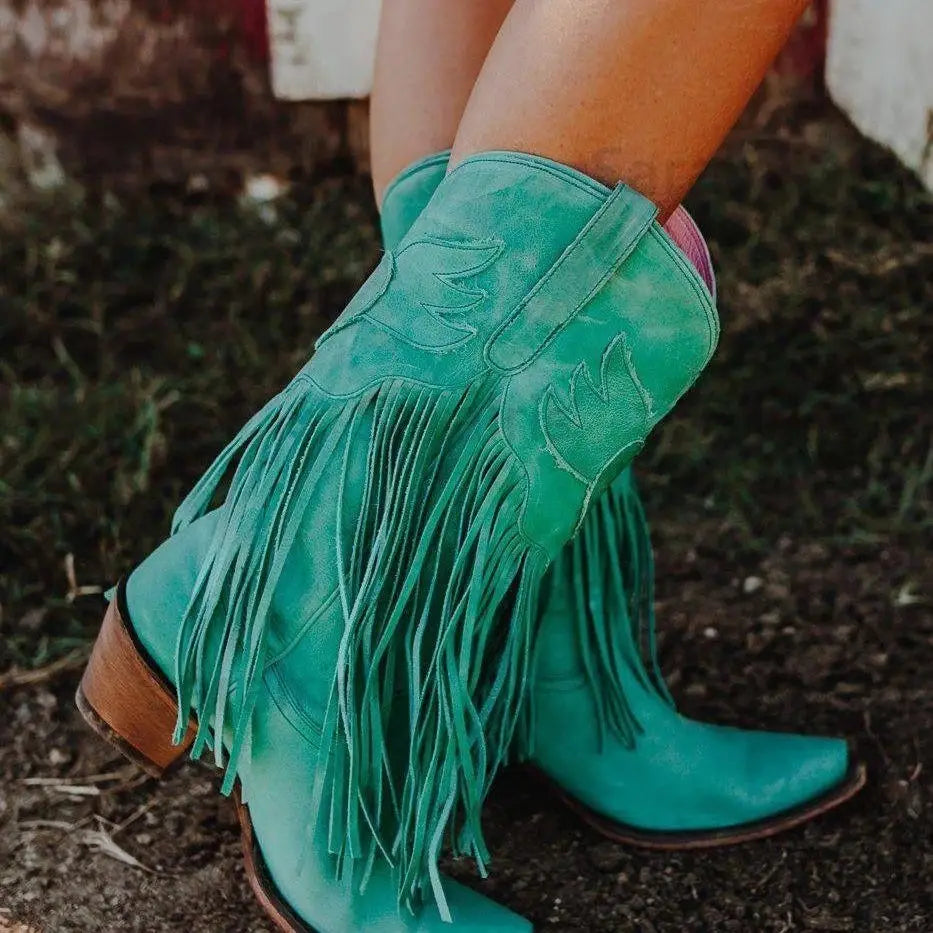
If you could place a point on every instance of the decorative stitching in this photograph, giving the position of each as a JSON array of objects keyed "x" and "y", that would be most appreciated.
[
  {"x": 577, "y": 405},
  {"x": 285, "y": 649},
  {"x": 377, "y": 381},
  {"x": 284, "y": 700},
  {"x": 377, "y": 288},
  {"x": 525, "y": 537},
  {"x": 630, "y": 235},
  {"x": 445, "y": 310}
]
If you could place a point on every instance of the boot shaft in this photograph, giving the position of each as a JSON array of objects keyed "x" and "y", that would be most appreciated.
[
  {"x": 564, "y": 293},
  {"x": 390, "y": 514}
]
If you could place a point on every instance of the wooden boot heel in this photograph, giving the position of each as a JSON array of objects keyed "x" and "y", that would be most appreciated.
[{"x": 126, "y": 701}]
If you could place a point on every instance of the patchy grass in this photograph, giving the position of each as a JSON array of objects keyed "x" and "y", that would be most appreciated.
[
  {"x": 815, "y": 416},
  {"x": 136, "y": 337}
]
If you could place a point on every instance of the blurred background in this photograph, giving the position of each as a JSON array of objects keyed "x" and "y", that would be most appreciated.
[{"x": 184, "y": 206}]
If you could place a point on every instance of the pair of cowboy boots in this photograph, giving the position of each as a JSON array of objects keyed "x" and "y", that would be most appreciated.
[{"x": 426, "y": 557}]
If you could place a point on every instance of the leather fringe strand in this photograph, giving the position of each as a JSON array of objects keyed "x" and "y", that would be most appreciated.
[{"x": 437, "y": 594}]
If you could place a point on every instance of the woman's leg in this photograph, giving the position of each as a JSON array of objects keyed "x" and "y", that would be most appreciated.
[
  {"x": 642, "y": 91},
  {"x": 429, "y": 54}
]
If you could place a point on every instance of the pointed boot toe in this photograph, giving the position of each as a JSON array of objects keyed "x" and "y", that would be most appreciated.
[
  {"x": 787, "y": 772},
  {"x": 683, "y": 784},
  {"x": 293, "y": 872}
]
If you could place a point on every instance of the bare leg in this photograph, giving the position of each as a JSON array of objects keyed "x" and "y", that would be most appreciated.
[
  {"x": 429, "y": 54},
  {"x": 642, "y": 91}
]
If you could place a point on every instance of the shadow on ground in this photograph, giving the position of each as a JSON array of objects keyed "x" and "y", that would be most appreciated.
[{"x": 791, "y": 498}]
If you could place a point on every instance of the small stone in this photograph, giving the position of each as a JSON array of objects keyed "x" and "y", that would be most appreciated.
[
  {"x": 710, "y": 632},
  {"x": 57, "y": 757},
  {"x": 752, "y": 585},
  {"x": 606, "y": 856},
  {"x": 262, "y": 188},
  {"x": 847, "y": 689}
]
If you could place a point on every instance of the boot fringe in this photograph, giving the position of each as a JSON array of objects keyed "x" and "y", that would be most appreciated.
[
  {"x": 610, "y": 567},
  {"x": 436, "y": 586}
]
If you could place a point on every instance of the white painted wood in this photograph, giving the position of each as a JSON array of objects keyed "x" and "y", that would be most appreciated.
[
  {"x": 322, "y": 49},
  {"x": 880, "y": 71}
]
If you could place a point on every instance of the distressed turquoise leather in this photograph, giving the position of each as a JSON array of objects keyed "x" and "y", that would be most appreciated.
[
  {"x": 275, "y": 774},
  {"x": 681, "y": 775},
  {"x": 408, "y": 194},
  {"x": 279, "y": 765},
  {"x": 490, "y": 379},
  {"x": 646, "y": 765},
  {"x": 575, "y": 382},
  {"x": 605, "y": 728}
]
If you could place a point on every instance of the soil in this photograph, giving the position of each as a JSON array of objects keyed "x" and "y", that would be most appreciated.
[{"x": 791, "y": 498}]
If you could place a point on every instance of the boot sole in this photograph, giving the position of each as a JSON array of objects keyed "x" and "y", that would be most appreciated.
[
  {"x": 675, "y": 841},
  {"x": 126, "y": 700}
]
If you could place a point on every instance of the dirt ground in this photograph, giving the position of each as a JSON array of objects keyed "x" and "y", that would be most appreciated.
[{"x": 791, "y": 495}]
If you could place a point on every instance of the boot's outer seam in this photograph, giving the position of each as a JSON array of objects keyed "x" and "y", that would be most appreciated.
[{"x": 291, "y": 711}]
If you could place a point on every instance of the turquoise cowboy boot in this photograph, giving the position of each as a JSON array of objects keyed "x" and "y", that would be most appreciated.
[
  {"x": 353, "y": 625},
  {"x": 607, "y": 734},
  {"x": 288, "y": 864}
]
